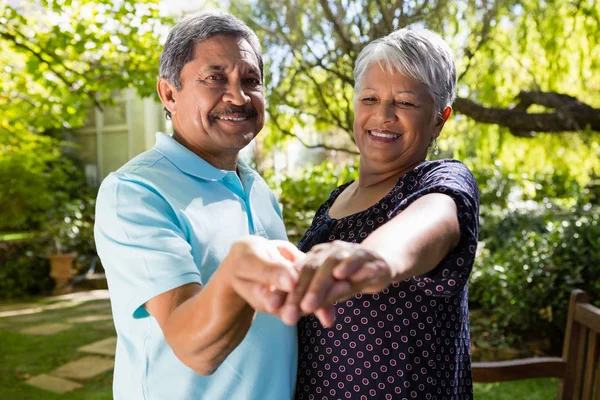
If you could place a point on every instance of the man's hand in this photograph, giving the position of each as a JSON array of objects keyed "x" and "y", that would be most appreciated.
[
  {"x": 334, "y": 272},
  {"x": 203, "y": 325},
  {"x": 262, "y": 271}
]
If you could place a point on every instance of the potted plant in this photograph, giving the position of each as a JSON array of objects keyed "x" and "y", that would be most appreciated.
[{"x": 69, "y": 227}]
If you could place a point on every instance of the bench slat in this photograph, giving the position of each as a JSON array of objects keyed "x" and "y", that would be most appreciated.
[
  {"x": 502, "y": 371},
  {"x": 570, "y": 388},
  {"x": 579, "y": 366},
  {"x": 588, "y": 316},
  {"x": 591, "y": 365},
  {"x": 597, "y": 396}
]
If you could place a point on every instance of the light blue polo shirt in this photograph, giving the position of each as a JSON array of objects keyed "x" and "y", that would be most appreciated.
[{"x": 167, "y": 218}]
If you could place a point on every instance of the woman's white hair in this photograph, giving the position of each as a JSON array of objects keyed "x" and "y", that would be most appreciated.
[{"x": 418, "y": 53}]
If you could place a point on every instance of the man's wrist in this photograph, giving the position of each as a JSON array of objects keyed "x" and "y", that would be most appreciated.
[{"x": 224, "y": 289}]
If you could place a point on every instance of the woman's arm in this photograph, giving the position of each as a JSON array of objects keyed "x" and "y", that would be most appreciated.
[
  {"x": 412, "y": 243},
  {"x": 417, "y": 239}
]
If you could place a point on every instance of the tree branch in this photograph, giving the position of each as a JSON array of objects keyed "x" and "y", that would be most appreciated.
[
  {"x": 40, "y": 56},
  {"x": 485, "y": 35},
  {"x": 511, "y": 54},
  {"x": 337, "y": 26},
  {"x": 384, "y": 15},
  {"x": 28, "y": 100},
  {"x": 335, "y": 72},
  {"x": 570, "y": 114},
  {"x": 326, "y": 104},
  {"x": 312, "y": 146}
]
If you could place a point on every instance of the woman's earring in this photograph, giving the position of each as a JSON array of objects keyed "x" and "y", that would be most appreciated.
[{"x": 436, "y": 150}]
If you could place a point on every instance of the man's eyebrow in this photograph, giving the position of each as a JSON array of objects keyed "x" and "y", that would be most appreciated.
[
  {"x": 216, "y": 67},
  {"x": 220, "y": 68},
  {"x": 253, "y": 70}
]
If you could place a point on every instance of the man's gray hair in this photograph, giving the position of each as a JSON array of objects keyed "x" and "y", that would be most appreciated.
[
  {"x": 418, "y": 53},
  {"x": 198, "y": 27}
]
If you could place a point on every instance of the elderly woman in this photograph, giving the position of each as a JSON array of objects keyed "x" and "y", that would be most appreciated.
[{"x": 399, "y": 242}]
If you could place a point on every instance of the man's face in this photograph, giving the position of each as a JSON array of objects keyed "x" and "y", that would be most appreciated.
[{"x": 220, "y": 107}]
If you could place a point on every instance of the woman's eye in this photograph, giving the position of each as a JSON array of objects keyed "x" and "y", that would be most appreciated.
[
  {"x": 215, "y": 78},
  {"x": 404, "y": 104},
  {"x": 369, "y": 100},
  {"x": 253, "y": 81}
]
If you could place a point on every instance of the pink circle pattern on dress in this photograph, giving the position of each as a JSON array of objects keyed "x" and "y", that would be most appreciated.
[{"x": 410, "y": 341}]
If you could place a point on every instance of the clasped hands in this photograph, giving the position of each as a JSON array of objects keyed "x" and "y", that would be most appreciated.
[{"x": 276, "y": 278}]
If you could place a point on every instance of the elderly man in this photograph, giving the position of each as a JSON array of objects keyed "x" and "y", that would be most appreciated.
[{"x": 182, "y": 232}]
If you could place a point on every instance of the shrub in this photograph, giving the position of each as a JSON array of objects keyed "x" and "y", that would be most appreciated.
[
  {"x": 23, "y": 269},
  {"x": 302, "y": 193},
  {"x": 37, "y": 175},
  {"x": 71, "y": 226},
  {"x": 43, "y": 191},
  {"x": 535, "y": 246},
  {"x": 530, "y": 261}
]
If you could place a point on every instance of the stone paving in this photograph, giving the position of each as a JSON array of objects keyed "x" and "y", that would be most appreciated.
[
  {"x": 53, "y": 384},
  {"x": 84, "y": 368},
  {"x": 90, "y": 318},
  {"x": 106, "y": 347},
  {"x": 96, "y": 358},
  {"x": 45, "y": 329}
]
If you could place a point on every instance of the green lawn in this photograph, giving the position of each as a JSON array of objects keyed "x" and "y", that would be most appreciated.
[
  {"x": 531, "y": 389},
  {"x": 24, "y": 356}
]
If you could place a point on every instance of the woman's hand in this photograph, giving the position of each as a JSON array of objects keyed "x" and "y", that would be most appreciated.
[{"x": 334, "y": 272}]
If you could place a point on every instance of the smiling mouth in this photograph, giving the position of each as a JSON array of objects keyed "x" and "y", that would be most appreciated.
[
  {"x": 383, "y": 134},
  {"x": 233, "y": 118},
  {"x": 234, "y": 114}
]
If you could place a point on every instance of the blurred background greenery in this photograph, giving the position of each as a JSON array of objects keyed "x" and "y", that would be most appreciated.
[{"x": 527, "y": 122}]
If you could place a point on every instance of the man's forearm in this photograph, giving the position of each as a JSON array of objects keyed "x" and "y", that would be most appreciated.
[
  {"x": 204, "y": 324},
  {"x": 204, "y": 329}
]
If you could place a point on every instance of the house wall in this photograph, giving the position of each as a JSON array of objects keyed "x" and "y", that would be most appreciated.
[{"x": 118, "y": 133}]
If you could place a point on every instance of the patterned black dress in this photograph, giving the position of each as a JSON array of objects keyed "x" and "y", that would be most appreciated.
[{"x": 410, "y": 341}]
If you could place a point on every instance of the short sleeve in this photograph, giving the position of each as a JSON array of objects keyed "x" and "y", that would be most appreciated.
[
  {"x": 142, "y": 247},
  {"x": 276, "y": 205},
  {"x": 452, "y": 178},
  {"x": 318, "y": 232}
]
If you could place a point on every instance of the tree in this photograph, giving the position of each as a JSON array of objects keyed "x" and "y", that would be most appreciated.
[
  {"x": 526, "y": 65},
  {"x": 61, "y": 57}
]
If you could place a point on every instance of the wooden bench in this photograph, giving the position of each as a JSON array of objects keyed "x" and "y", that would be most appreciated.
[{"x": 578, "y": 368}]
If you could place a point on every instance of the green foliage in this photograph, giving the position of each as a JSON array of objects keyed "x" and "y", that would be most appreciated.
[
  {"x": 43, "y": 190},
  {"x": 533, "y": 250},
  {"x": 71, "y": 226},
  {"x": 531, "y": 258},
  {"x": 23, "y": 269},
  {"x": 36, "y": 176},
  {"x": 501, "y": 48},
  {"x": 538, "y": 241},
  {"x": 59, "y": 58},
  {"x": 302, "y": 193}
]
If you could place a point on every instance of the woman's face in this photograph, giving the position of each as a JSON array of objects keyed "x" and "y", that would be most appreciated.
[{"x": 393, "y": 122}]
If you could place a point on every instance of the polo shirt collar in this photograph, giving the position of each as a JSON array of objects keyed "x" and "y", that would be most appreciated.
[{"x": 192, "y": 164}]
